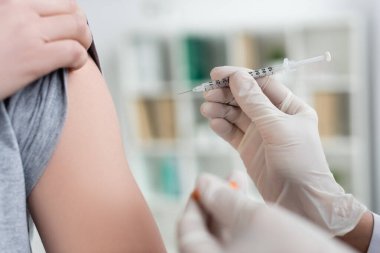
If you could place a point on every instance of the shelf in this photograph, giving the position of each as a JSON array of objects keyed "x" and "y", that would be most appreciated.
[
  {"x": 333, "y": 109},
  {"x": 170, "y": 166},
  {"x": 186, "y": 59}
]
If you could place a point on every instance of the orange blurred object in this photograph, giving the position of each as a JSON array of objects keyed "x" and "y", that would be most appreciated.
[
  {"x": 196, "y": 195},
  {"x": 234, "y": 185}
]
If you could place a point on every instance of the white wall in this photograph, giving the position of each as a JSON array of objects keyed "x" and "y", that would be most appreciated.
[{"x": 109, "y": 19}]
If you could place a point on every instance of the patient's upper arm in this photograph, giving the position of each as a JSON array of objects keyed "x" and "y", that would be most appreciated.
[{"x": 87, "y": 199}]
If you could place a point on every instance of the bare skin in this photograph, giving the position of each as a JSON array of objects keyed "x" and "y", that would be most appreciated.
[
  {"x": 360, "y": 236},
  {"x": 87, "y": 199}
]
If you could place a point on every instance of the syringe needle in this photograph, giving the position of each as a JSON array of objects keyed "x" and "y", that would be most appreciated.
[{"x": 184, "y": 92}]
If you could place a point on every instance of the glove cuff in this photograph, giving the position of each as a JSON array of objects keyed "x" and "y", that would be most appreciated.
[
  {"x": 334, "y": 210},
  {"x": 347, "y": 212},
  {"x": 338, "y": 212}
]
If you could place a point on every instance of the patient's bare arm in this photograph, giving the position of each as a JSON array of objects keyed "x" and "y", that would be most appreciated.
[{"x": 87, "y": 199}]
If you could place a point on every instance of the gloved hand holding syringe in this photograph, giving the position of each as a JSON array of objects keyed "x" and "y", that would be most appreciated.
[{"x": 257, "y": 73}]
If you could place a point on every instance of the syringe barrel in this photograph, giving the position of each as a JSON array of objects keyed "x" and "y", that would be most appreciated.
[
  {"x": 257, "y": 73},
  {"x": 222, "y": 83},
  {"x": 211, "y": 85}
]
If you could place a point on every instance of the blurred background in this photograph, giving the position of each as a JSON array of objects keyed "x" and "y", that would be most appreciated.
[{"x": 152, "y": 49}]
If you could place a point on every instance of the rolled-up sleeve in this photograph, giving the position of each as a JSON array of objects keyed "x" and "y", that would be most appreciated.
[{"x": 374, "y": 245}]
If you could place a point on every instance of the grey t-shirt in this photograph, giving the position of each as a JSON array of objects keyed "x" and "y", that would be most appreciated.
[{"x": 30, "y": 124}]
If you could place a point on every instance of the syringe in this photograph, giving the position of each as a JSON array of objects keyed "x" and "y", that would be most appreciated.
[{"x": 257, "y": 73}]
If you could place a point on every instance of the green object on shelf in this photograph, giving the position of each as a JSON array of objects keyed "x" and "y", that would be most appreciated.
[
  {"x": 169, "y": 176},
  {"x": 277, "y": 53},
  {"x": 195, "y": 49},
  {"x": 203, "y": 54}
]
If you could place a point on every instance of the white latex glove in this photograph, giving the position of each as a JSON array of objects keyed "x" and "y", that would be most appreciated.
[
  {"x": 245, "y": 226},
  {"x": 277, "y": 137},
  {"x": 37, "y": 37}
]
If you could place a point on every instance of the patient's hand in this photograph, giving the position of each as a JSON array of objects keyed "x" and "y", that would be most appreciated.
[{"x": 38, "y": 37}]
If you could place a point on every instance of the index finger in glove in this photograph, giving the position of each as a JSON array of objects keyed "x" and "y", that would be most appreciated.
[
  {"x": 278, "y": 94},
  {"x": 227, "y": 206},
  {"x": 192, "y": 233},
  {"x": 274, "y": 90}
]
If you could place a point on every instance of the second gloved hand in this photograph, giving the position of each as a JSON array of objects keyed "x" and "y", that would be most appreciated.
[
  {"x": 277, "y": 137},
  {"x": 223, "y": 220}
]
